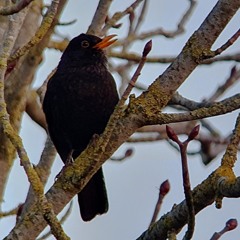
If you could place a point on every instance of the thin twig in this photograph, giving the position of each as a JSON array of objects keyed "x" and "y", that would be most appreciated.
[
  {"x": 118, "y": 15},
  {"x": 231, "y": 224},
  {"x": 227, "y": 44},
  {"x": 141, "y": 16},
  {"x": 128, "y": 153},
  {"x": 186, "y": 16},
  {"x": 130, "y": 56},
  {"x": 186, "y": 180},
  {"x": 132, "y": 82},
  {"x": 160, "y": 31},
  {"x": 163, "y": 191},
  {"x": 232, "y": 79},
  {"x": 9, "y": 213}
]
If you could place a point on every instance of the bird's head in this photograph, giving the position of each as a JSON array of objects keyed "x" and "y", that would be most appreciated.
[{"x": 87, "y": 49}]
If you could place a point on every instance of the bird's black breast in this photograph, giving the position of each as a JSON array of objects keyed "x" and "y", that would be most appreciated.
[{"x": 78, "y": 104}]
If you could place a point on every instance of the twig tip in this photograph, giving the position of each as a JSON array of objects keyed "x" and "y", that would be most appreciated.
[
  {"x": 147, "y": 48},
  {"x": 171, "y": 134},
  {"x": 231, "y": 224},
  {"x": 194, "y": 133}
]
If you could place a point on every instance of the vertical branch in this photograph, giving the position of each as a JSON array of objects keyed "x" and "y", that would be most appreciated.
[
  {"x": 99, "y": 17},
  {"x": 185, "y": 173},
  {"x": 164, "y": 189},
  {"x": 15, "y": 23}
]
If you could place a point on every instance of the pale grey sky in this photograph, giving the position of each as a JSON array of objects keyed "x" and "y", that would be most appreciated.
[{"x": 133, "y": 184}]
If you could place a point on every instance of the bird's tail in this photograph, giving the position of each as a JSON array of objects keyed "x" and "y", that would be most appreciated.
[{"x": 93, "y": 198}]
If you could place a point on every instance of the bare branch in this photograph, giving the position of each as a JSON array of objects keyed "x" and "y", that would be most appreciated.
[
  {"x": 185, "y": 175},
  {"x": 131, "y": 84},
  {"x": 227, "y": 44},
  {"x": 15, "y": 8},
  {"x": 34, "y": 109},
  {"x": 163, "y": 191},
  {"x": 212, "y": 109},
  {"x": 232, "y": 79},
  {"x": 118, "y": 15},
  {"x": 141, "y": 16},
  {"x": 99, "y": 18},
  {"x": 9, "y": 213}
]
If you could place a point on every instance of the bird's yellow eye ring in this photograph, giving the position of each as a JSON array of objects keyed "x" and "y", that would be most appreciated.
[{"x": 85, "y": 44}]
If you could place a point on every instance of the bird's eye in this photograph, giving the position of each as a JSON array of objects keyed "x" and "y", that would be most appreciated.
[{"x": 85, "y": 44}]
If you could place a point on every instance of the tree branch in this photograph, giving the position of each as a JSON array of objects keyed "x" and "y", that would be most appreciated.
[{"x": 99, "y": 17}]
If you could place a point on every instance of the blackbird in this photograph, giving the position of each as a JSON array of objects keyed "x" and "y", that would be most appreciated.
[{"x": 80, "y": 97}]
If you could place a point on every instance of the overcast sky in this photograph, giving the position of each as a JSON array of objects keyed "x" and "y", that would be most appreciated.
[{"x": 133, "y": 184}]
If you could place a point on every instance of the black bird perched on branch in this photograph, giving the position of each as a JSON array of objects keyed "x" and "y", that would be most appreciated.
[{"x": 80, "y": 97}]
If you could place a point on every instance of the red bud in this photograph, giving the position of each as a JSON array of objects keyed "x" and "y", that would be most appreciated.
[
  {"x": 164, "y": 188},
  {"x": 194, "y": 132},
  {"x": 147, "y": 48},
  {"x": 231, "y": 224},
  {"x": 171, "y": 134},
  {"x": 129, "y": 152}
]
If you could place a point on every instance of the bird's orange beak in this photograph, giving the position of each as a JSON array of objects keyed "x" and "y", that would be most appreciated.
[{"x": 107, "y": 41}]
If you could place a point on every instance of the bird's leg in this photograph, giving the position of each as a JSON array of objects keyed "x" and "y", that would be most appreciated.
[
  {"x": 68, "y": 161},
  {"x": 94, "y": 139}
]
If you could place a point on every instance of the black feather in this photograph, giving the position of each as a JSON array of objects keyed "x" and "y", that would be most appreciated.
[{"x": 79, "y": 100}]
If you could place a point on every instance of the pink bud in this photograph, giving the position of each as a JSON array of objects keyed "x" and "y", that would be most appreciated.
[
  {"x": 129, "y": 152},
  {"x": 194, "y": 132},
  {"x": 231, "y": 224},
  {"x": 147, "y": 48},
  {"x": 171, "y": 134},
  {"x": 164, "y": 188}
]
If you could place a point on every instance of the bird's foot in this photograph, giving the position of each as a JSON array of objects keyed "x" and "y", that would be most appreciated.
[
  {"x": 94, "y": 139},
  {"x": 69, "y": 159},
  {"x": 67, "y": 162}
]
